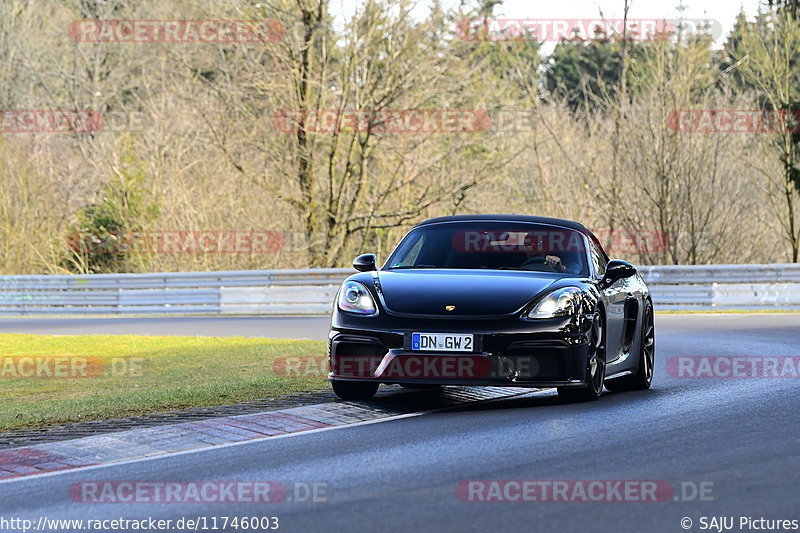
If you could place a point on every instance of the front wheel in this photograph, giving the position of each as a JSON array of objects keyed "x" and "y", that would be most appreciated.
[
  {"x": 354, "y": 390},
  {"x": 595, "y": 367}
]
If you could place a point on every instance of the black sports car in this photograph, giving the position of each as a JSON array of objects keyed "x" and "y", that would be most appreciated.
[{"x": 493, "y": 300}]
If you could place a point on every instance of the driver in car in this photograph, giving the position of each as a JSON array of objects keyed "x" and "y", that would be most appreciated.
[{"x": 537, "y": 255}]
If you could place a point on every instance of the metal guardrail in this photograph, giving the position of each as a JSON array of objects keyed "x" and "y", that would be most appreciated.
[
  {"x": 225, "y": 292},
  {"x": 724, "y": 286},
  {"x": 272, "y": 292}
]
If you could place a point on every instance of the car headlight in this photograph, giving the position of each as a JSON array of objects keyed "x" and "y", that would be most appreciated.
[
  {"x": 355, "y": 298},
  {"x": 560, "y": 302}
]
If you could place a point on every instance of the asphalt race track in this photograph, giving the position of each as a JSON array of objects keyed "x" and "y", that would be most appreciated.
[{"x": 738, "y": 438}]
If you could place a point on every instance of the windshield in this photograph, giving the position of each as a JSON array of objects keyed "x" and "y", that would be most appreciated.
[{"x": 493, "y": 246}]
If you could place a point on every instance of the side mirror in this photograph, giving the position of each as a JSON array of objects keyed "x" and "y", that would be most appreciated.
[
  {"x": 365, "y": 263},
  {"x": 617, "y": 270}
]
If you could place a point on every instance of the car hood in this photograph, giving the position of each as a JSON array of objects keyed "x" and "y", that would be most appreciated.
[{"x": 473, "y": 293}]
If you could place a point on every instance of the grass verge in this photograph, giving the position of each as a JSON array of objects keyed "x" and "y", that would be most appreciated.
[{"x": 51, "y": 379}]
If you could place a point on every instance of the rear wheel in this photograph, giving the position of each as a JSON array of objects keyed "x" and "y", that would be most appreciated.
[
  {"x": 595, "y": 367},
  {"x": 643, "y": 377},
  {"x": 354, "y": 390}
]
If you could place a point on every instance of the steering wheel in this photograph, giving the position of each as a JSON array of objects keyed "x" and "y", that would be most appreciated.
[{"x": 540, "y": 267}]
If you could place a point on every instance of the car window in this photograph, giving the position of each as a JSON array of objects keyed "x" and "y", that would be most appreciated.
[
  {"x": 413, "y": 253},
  {"x": 599, "y": 259},
  {"x": 493, "y": 246}
]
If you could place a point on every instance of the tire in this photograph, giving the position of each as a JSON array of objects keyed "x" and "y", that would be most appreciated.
[
  {"x": 595, "y": 367},
  {"x": 354, "y": 390},
  {"x": 643, "y": 377}
]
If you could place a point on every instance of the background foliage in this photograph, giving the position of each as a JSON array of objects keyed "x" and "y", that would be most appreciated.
[{"x": 581, "y": 133}]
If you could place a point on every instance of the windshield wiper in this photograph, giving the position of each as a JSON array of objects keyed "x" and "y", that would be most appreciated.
[{"x": 411, "y": 266}]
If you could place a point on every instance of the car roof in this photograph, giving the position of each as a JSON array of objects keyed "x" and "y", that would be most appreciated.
[{"x": 509, "y": 218}]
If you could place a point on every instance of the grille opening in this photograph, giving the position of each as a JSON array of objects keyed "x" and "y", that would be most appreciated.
[{"x": 631, "y": 314}]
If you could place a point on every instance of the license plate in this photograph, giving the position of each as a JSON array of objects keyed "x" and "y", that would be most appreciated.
[{"x": 441, "y": 342}]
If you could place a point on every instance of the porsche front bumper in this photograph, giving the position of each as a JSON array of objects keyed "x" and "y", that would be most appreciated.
[{"x": 507, "y": 351}]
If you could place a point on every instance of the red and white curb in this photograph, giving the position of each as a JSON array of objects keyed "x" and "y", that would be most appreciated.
[{"x": 161, "y": 440}]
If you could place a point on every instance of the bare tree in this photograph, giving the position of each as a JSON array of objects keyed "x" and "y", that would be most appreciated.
[{"x": 767, "y": 59}]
